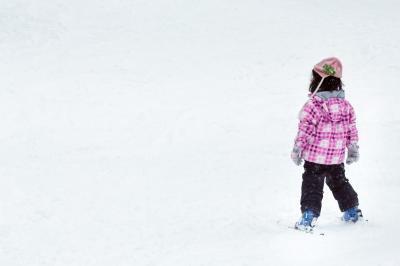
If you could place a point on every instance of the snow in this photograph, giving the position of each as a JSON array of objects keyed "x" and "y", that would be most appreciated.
[{"x": 159, "y": 132}]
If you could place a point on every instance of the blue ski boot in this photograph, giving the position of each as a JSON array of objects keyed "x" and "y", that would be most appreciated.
[
  {"x": 307, "y": 221},
  {"x": 352, "y": 215}
]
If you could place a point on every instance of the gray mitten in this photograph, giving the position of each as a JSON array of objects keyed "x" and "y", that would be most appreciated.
[
  {"x": 352, "y": 153},
  {"x": 296, "y": 155}
]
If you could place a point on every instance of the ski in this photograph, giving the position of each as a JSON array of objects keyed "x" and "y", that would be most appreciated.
[{"x": 308, "y": 230}]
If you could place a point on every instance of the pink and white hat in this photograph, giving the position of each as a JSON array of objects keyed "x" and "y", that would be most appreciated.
[{"x": 328, "y": 67}]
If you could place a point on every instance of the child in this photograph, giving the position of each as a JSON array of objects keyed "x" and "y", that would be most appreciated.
[{"x": 327, "y": 127}]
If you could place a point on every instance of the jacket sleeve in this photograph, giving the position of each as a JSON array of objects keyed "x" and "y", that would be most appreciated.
[
  {"x": 352, "y": 132},
  {"x": 307, "y": 125}
]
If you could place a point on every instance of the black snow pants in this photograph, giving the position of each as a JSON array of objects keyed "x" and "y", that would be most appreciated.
[{"x": 313, "y": 185}]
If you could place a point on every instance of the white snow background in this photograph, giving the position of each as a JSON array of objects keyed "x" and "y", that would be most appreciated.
[{"x": 138, "y": 132}]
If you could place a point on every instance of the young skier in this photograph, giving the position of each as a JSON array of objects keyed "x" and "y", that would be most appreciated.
[{"x": 327, "y": 127}]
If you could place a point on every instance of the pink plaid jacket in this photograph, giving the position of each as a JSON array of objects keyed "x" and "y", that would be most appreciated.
[{"x": 327, "y": 126}]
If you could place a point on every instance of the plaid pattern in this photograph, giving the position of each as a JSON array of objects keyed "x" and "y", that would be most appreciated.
[{"x": 326, "y": 128}]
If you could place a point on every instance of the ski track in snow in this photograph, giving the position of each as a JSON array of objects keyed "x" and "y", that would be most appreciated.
[{"x": 159, "y": 132}]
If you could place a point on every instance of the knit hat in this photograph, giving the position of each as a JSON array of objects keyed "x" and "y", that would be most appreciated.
[{"x": 328, "y": 67}]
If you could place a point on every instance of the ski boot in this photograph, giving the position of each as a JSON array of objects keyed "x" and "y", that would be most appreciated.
[
  {"x": 352, "y": 215},
  {"x": 307, "y": 221}
]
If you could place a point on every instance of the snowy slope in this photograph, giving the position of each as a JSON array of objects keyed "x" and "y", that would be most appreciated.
[{"x": 158, "y": 132}]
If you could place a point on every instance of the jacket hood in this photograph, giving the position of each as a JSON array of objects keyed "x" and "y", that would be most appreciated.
[
  {"x": 332, "y": 104},
  {"x": 325, "y": 95}
]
